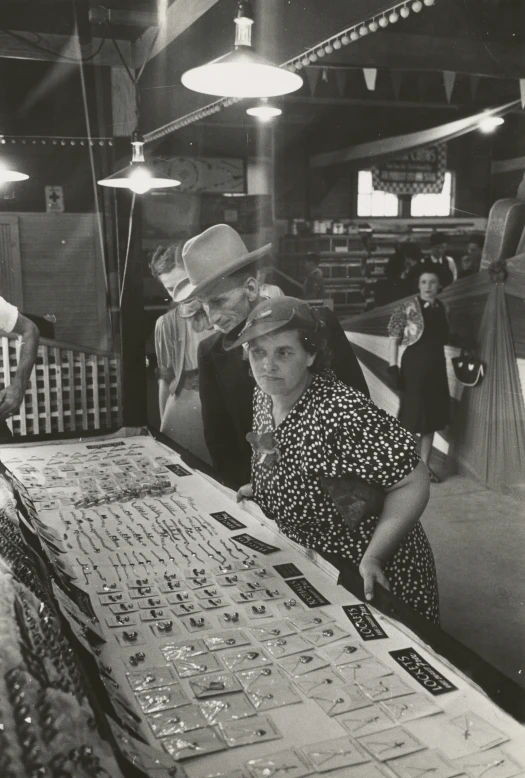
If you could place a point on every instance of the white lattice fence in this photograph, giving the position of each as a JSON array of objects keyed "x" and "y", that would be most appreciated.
[{"x": 70, "y": 390}]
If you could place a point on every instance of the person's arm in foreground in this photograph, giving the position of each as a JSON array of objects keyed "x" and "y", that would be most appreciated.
[
  {"x": 404, "y": 504},
  {"x": 11, "y": 396}
]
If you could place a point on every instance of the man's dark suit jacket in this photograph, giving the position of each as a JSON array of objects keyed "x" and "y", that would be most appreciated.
[{"x": 226, "y": 391}]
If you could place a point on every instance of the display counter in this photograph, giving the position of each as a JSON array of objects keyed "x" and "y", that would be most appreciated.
[{"x": 205, "y": 643}]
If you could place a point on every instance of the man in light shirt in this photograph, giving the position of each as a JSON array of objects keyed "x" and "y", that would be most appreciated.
[
  {"x": 439, "y": 245},
  {"x": 11, "y": 320}
]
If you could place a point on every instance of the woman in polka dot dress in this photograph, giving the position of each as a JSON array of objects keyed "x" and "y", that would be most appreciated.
[{"x": 307, "y": 424}]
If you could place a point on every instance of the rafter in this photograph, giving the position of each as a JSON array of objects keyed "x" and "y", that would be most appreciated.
[{"x": 64, "y": 45}]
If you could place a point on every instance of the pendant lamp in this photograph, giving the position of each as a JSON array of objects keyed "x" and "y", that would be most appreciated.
[
  {"x": 7, "y": 175},
  {"x": 264, "y": 111},
  {"x": 242, "y": 72},
  {"x": 137, "y": 176}
]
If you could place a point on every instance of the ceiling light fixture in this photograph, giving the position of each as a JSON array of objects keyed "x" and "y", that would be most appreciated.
[
  {"x": 264, "y": 111},
  {"x": 137, "y": 176},
  {"x": 489, "y": 123},
  {"x": 242, "y": 72},
  {"x": 7, "y": 175}
]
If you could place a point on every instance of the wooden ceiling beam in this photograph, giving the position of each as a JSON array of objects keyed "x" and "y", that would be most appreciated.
[
  {"x": 179, "y": 16},
  {"x": 63, "y": 46},
  {"x": 403, "y": 51}
]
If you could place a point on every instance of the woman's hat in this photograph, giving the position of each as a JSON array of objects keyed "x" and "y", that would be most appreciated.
[
  {"x": 211, "y": 256},
  {"x": 275, "y": 314}
]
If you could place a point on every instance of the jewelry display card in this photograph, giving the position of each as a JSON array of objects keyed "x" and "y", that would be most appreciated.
[
  {"x": 226, "y": 639},
  {"x": 188, "y": 667},
  {"x": 458, "y": 736},
  {"x": 281, "y": 647},
  {"x": 228, "y": 708},
  {"x": 197, "y": 743},
  {"x": 163, "y": 698},
  {"x": 366, "y": 721},
  {"x": 141, "y": 681},
  {"x": 247, "y": 731},
  {"x": 184, "y": 649},
  {"x": 244, "y": 659},
  {"x": 299, "y": 664},
  {"x": 345, "y": 654},
  {"x": 364, "y": 670},
  {"x": 494, "y": 763},
  {"x": 304, "y": 620},
  {"x": 332, "y": 754},
  {"x": 288, "y": 763},
  {"x": 170, "y": 722},
  {"x": 266, "y": 695},
  {"x": 340, "y": 699},
  {"x": 413, "y": 706},
  {"x": 424, "y": 764},
  {"x": 390, "y": 743},
  {"x": 218, "y": 683},
  {"x": 319, "y": 679},
  {"x": 277, "y": 629}
]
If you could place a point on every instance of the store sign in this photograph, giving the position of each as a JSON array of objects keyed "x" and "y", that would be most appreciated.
[
  {"x": 307, "y": 593},
  {"x": 255, "y": 544},
  {"x": 224, "y": 518},
  {"x": 365, "y": 624},
  {"x": 420, "y": 670},
  {"x": 420, "y": 171}
]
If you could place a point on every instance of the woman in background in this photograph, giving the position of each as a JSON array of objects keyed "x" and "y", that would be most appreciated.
[
  {"x": 420, "y": 323},
  {"x": 177, "y": 336}
]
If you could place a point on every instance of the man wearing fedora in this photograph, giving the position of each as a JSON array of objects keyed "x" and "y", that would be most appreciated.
[{"x": 222, "y": 275}]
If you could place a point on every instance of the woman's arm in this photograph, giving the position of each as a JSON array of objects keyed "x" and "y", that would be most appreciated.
[
  {"x": 164, "y": 393},
  {"x": 403, "y": 506},
  {"x": 393, "y": 349}
]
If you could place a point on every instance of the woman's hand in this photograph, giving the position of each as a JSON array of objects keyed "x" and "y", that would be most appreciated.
[
  {"x": 371, "y": 570},
  {"x": 245, "y": 493}
]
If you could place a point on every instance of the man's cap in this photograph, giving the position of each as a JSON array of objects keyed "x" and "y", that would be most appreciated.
[
  {"x": 275, "y": 314},
  {"x": 211, "y": 256}
]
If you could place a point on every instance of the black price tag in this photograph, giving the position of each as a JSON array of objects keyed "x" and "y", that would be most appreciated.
[
  {"x": 287, "y": 570},
  {"x": 178, "y": 470},
  {"x": 224, "y": 518},
  {"x": 255, "y": 544},
  {"x": 365, "y": 624},
  {"x": 113, "y": 444},
  {"x": 307, "y": 593},
  {"x": 420, "y": 670}
]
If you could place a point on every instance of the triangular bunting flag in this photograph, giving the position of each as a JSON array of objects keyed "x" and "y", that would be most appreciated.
[
  {"x": 397, "y": 80},
  {"x": 312, "y": 76},
  {"x": 522, "y": 92},
  {"x": 370, "y": 75},
  {"x": 474, "y": 81},
  {"x": 449, "y": 79},
  {"x": 340, "y": 79}
]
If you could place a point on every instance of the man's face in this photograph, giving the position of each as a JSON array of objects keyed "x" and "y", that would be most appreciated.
[
  {"x": 227, "y": 304},
  {"x": 439, "y": 250},
  {"x": 170, "y": 279},
  {"x": 474, "y": 251}
]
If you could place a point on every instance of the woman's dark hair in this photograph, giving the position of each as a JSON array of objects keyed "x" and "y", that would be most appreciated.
[
  {"x": 427, "y": 266},
  {"x": 316, "y": 343},
  {"x": 164, "y": 258}
]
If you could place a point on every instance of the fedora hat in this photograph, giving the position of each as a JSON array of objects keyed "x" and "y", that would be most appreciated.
[{"x": 211, "y": 256}]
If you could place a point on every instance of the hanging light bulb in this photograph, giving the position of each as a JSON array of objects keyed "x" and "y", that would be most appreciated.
[
  {"x": 489, "y": 123},
  {"x": 404, "y": 11},
  {"x": 394, "y": 17},
  {"x": 241, "y": 72},
  {"x": 7, "y": 175},
  {"x": 137, "y": 176},
  {"x": 417, "y": 6},
  {"x": 383, "y": 21},
  {"x": 264, "y": 111}
]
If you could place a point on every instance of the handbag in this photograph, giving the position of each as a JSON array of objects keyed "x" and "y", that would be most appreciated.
[
  {"x": 354, "y": 499},
  {"x": 468, "y": 369}
]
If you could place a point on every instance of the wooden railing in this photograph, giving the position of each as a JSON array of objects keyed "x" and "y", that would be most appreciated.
[{"x": 71, "y": 388}]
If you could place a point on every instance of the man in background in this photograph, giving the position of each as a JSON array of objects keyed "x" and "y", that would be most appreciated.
[
  {"x": 222, "y": 274},
  {"x": 438, "y": 256},
  {"x": 471, "y": 261},
  {"x": 313, "y": 287},
  {"x": 11, "y": 396}
]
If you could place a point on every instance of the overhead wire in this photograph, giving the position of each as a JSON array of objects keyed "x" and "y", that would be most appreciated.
[{"x": 57, "y": 54}]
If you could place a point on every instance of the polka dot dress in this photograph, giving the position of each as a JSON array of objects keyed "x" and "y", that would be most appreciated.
[{"x": 333, "y": 430}]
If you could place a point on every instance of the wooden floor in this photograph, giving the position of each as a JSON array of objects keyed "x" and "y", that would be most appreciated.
[{"x": 478, "y": 539}]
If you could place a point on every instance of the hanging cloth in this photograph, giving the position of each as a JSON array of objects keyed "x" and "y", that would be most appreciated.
[{"x": 489, "y": 431}]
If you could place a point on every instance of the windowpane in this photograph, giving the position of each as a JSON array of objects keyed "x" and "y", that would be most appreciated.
[
  {"x": 434, "y": 204},
  {"x": 371, "y": 202}
]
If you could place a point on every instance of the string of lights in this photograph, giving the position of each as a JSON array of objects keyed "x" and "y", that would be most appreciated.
[
  {"x": 394, "y": 14},
  {"x": 55, "y": 140}
]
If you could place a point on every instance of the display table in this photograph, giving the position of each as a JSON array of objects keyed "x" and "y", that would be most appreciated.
[{"x": 216, "y": 647}]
